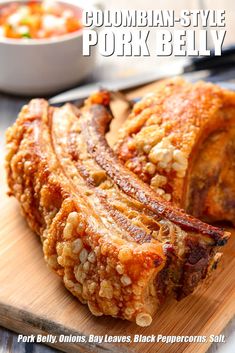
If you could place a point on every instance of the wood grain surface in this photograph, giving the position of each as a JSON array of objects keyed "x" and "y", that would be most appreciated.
[{"x": 33, "y": 300}]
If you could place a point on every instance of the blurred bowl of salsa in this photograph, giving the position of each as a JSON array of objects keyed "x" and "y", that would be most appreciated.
[{"x": 41, "y": 46}]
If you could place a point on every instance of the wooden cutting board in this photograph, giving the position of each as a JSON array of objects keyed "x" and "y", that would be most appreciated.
[{"x": 34, "y": 301}]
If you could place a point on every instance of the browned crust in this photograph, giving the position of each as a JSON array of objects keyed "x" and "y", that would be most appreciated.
[
  {"x": 180, "y": 140},
  {"x": 95, "y": 127},
  {"x": 103, "y": 242}
]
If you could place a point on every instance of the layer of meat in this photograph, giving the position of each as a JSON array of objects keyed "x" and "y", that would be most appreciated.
[{"x": 118, "y": 246}]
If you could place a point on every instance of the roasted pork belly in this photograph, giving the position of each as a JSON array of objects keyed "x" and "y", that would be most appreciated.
[
  {"x": 118, "y": 246},
  {"x": 180, "y": 139}
]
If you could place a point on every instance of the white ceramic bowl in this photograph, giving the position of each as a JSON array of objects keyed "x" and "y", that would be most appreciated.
[{"x": 44, "y": 66}]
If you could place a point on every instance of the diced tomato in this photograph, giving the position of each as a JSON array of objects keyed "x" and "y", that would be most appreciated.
[
  {"x": 34, "y": 20},
  {"x": 35, "y": 8},
  {"x": 72, "y": 24},
  {"x": 10, "y": 33}
]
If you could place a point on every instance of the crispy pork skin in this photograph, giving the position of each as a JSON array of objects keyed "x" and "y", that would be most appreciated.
[
  {"x": 180, "y": 140},
  {"x": 117, "y": 245}
]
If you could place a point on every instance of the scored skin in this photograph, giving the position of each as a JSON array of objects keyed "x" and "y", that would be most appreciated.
[
  {"x": 65, "y": 197},
  {"x": 179, "y": 139}
]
